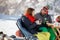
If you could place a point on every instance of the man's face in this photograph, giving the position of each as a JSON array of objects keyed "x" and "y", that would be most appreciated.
[{"x": 44, "y": 11}]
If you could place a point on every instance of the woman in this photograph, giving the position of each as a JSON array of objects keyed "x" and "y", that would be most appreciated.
[{"x": 29, "y": 22}]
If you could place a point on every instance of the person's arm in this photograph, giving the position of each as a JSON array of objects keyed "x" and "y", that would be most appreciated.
[
  {"x": 49, "y": 22},
  {"x": 56, "y": 25},
  {"x": 49, "y": 18},
  {"x": 28, "y": 23}
]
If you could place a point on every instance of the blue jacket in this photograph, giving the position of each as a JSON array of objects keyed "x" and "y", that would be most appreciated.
[{"x": 31, "y": 27}]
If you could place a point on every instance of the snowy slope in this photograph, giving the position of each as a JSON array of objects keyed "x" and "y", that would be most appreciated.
[
  {"x": 8, "y": 27},
  {"x": 8, "y": 24}
]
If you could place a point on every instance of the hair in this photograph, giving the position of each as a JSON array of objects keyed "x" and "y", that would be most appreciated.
[
  {"x": 45, "y": 7},
  {"x": 30, "y": 10},
  {"x": 58, "y": 17}
]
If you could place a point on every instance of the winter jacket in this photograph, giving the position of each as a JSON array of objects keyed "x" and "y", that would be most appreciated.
[{"x": 29, "y": 24}]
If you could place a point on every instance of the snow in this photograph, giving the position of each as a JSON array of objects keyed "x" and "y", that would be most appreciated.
[{"x": 8, "y": 27}]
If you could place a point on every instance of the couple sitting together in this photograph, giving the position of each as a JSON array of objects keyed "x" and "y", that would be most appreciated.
[{"x": 37, "y": 24}]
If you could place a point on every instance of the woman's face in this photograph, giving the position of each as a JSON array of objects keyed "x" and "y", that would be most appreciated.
[{"x": 33, "y": 13}]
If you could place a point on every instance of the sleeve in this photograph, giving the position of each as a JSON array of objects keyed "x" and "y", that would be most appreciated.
[
  {"x": 49, "y": 18},
  {"x": 36, "y": 16},
  {"x": 28, "y": 24}
]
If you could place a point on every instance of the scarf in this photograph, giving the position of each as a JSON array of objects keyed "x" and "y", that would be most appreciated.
[{"x": 30, "y": 17}]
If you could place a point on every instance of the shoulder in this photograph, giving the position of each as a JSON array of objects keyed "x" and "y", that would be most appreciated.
[
  {"x": 37, "y": 14},
  {"x": 23, "y": 17}
]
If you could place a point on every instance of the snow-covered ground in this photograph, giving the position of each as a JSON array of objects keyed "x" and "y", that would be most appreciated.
[{"x": 8, "y": 26}]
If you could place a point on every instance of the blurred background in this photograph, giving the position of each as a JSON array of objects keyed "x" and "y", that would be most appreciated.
[{"x": 11, "y": 10}]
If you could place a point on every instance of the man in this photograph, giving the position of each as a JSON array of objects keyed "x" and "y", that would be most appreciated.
[
  {"x": 44, "y": 19},
  {"x": 43, "y": 15}
]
